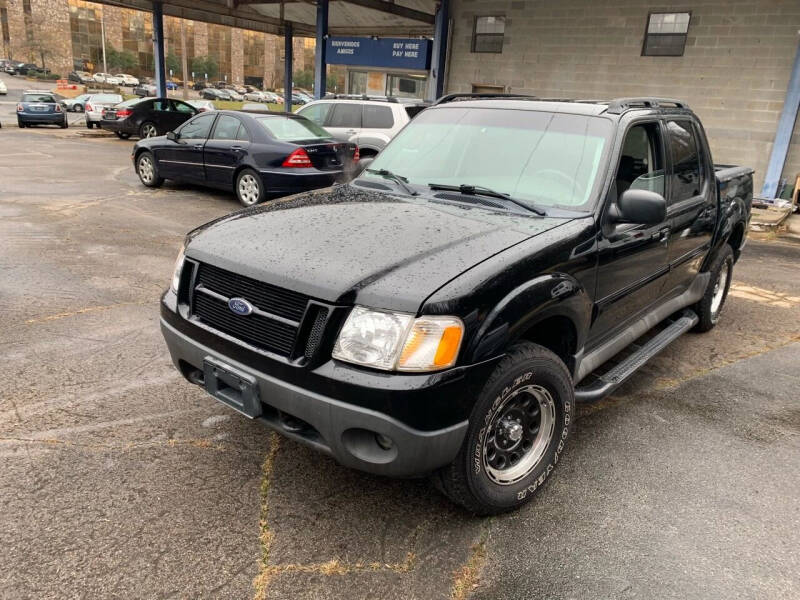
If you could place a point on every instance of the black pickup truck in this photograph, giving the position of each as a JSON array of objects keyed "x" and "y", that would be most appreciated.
[{"x": 502, "y": 259}]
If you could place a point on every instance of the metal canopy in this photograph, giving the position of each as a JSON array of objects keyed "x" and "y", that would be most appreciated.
[{"x": 346, "y": 17}]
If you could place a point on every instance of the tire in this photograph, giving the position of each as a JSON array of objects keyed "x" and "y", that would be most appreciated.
[
  {"x": 21, "y": 125},
  {"x": 529, "y": 394},
  {"x": 122, "y": 135},
  {"x": 148, "y": 129},
  {"x": 89, "y": 124},
  {"x": 710, "y": 306},
  {"x": 78, "y": 108},
  {"x": 249, "y": 188},
  {"x": 147, "y": 170},
  {"x": 65, "y": 124}
]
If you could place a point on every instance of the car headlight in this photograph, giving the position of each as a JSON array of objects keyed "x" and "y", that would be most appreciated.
[
  {"x": 397, "y": 341},
  {"x": 176, "y": 272}
]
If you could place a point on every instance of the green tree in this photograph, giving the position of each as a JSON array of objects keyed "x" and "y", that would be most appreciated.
[
  {"x": 120, "y": 60},
  {"x": 173, "y": 64},
  {"x": 304, "y": 79},
  {"x": 204, "y": 65}
]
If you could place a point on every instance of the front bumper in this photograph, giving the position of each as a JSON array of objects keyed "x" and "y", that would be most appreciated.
[{"x": 336, "y": 427}]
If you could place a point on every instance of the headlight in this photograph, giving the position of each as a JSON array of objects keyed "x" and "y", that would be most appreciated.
[
  {"x": 176, "y": 272},
  {"x": 398, "y": 341}
]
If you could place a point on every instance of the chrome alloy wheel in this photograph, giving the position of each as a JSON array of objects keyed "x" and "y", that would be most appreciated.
[
  {"x": 249, "y": 190},
  {"x": 149, "y": 131},
  {"x": 146, "y": 169},
  {"x": 719, "y": 290},
  {"x": 518, "y": 435}
]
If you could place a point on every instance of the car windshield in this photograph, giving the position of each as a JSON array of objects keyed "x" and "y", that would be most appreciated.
[
  {"x": 107, "y": 98},
  {"x": 538, "y": 158},
  {"x": 49, "y": 98},
  {"x": 290, "y": 129}
]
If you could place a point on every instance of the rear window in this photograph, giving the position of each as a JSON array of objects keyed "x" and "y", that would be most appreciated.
[
  {"x": 131, "y": 102},
  {"x": 377, "y": 117},
  {"x": 38, "y": 98},
  {"x": 289, "y": 129},
  {"x": 107, "y": 98}
]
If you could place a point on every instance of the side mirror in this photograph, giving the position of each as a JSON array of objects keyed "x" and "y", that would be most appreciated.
[
  {"x": 640, "y": 206},
  {"x": 172, "y": 136}
]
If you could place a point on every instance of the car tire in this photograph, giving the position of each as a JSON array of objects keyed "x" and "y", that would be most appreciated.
[
  {"x": 21, "y": 124},
  {"x": 122, "y": 135},
  {"x": 78, "y": 108},
  {"x": 148, "y": 129},
  {"x": 710, "y": 306},
  {"x": 65, "y": 124},
  {"x": 249, "y": 188},
  {"x": 147, "y": 170},
  {"x": 517, "y": 431},
  {"x": 89, "y": 124}
]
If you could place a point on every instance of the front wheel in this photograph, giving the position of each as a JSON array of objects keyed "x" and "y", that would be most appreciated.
[
  {"x": 517, "y": 432},
  {"x": 249, "y": 188},
  {"x": 710, "y": 306},
  {"x": 147, "y": 170}
]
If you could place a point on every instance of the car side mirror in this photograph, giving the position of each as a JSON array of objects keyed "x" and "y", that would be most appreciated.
[
  {"x": 172, "y": 136},
  {"x": 639, "y": 206}
]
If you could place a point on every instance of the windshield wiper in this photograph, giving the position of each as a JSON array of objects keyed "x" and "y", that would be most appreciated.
[
  {"x": 478, "y": 190},
  {"x": 398, "y": 179}
]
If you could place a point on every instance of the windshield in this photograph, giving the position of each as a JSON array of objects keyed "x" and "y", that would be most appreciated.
[
  {"x": 38, "y": 98},
  {"x": 542, "y": 158},
  {"x": 107, "y": 98},
  {"x": 288, "y": 129}
]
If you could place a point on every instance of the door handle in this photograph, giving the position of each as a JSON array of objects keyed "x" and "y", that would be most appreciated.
[
  {"x": 236, "y": 148},
  {"x": 198, "y": 146}
]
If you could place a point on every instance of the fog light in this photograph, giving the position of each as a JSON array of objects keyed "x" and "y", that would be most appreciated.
[{"x": 384, "y": 442}]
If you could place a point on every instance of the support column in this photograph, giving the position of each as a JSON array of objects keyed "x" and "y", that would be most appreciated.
[
  {"x": 320, "y": 56},
  {"x": 439, "y": 51},
  {"x": 783, "y": 136},
  {"x": 287, "y": 73},
  {"x": 158, "y": 50}
]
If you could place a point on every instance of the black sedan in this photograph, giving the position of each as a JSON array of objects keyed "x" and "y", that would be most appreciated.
[
  {"x": 215, "y": 94},
  {"x": 146, "y": 117},
  {"x": 257, "y": 155}
]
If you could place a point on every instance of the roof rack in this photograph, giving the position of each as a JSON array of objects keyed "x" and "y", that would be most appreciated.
[
  {"x": 456, "y": 97},
  {"x": 362, "y": 97},
  {"x": 618, "y": 106}
]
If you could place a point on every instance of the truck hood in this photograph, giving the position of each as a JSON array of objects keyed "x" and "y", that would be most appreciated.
[{"x": 350, "y": 246}]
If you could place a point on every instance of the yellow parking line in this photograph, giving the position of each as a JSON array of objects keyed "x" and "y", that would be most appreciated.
[{"x": 88, "y": 309}]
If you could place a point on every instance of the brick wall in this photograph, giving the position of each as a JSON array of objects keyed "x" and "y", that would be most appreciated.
[{"x": 734, "y": 72}]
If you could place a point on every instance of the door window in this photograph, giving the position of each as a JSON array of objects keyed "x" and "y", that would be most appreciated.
[
  {"x": 161, "y": 105},
  {"x": 227, "y": 128},
  {"x": 182, "y": 107},
  {"x": 641, "y": 164},
  {"x": 198, "y": 128},
  {"x": 316, "y": 112},
  {"x": 377, "y": 117},
  {"x": 687, "y": 176},
  {"x": 346, "y": 115}
]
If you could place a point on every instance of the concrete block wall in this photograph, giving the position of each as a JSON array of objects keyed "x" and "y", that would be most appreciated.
[{"x": 734, "y": 72}]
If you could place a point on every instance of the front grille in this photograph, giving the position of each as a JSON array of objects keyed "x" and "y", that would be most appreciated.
[{"x": 272, "y": 327}]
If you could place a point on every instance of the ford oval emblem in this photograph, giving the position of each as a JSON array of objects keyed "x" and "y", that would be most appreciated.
[{"x": 240, "y": 306}]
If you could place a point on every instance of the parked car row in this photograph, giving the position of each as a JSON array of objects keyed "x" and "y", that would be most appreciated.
[{"x": 14, "y": 67}]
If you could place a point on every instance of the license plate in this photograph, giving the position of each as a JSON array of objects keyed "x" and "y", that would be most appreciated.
[
  {"x": 39, "y": 108},
  {"x": 111, "y": 116},
  {"x": 232, "y": 387}
]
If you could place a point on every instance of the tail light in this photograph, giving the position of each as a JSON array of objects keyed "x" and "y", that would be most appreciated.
[
  {"x": 20, "y": 108},
  {"x": 356, "y": 155},
  {"x": 124, "y": 112},
  {"x": 58, "y": 108},
  {"x": 298, "y": 158},
  {"x": 89, "y": 107}
]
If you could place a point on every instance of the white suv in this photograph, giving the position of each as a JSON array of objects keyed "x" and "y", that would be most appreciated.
[{"x": 365, "y": 121}]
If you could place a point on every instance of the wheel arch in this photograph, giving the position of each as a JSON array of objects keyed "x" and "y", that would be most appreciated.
[{"x": 552, "y": 310}]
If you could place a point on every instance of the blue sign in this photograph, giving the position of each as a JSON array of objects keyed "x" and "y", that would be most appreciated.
[{"x": 398, "y": 53}]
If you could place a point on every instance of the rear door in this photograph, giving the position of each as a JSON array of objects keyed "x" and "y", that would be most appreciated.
[
  {"x": 344, "y": 121},
  {"x": 632, "y": 258},
  {"x": 691, "y": 201},
  {"x": 183, "y": 157},
  {"x": 225, "y": 149}
]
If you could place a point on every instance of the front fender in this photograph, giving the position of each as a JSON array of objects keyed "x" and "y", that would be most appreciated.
[{"x": 545, "y": 296}]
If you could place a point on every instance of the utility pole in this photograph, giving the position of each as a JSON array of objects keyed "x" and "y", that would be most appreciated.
[
  {"x": 103, "y": 36},
  {"x": 184, "y": 61}
]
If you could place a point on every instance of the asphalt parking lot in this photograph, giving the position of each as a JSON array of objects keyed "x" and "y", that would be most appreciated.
[{"x": 120, "y": 480}]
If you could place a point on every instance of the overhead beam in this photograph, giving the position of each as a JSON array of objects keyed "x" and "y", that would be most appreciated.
[{"x": 394, "y": 9}]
